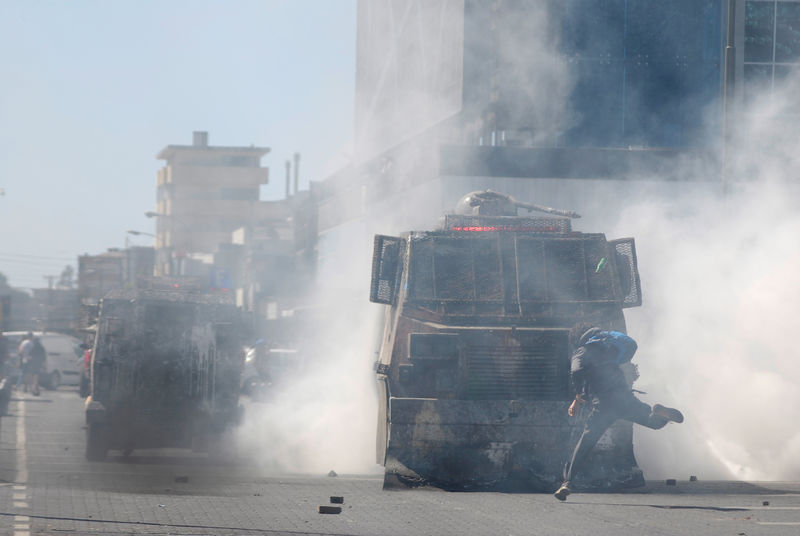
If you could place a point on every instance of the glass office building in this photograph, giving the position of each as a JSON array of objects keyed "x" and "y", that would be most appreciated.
[{"x": 772, "y": 44}]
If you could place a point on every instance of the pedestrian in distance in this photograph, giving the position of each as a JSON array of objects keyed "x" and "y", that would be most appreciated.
[
  {"x": 4, "y": 355},
  {"x": 597, "y": 376},
  {"x": 5, "y": 381},
  {"x": 32, "y": 357},
  {"x": 36, "y": 364},
  {"x": 24, "y": 355}
]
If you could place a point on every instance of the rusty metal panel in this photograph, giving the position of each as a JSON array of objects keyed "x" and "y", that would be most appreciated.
[{"x": 500, "y": 444}]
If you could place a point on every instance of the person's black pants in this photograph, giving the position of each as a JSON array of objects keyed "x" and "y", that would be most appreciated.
[{"x": 606, "y": 409}]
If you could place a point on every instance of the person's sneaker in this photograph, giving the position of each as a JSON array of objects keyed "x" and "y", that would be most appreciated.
[
  {"x": 671, "y": 414},
  {"x": 562, "y": 492}
]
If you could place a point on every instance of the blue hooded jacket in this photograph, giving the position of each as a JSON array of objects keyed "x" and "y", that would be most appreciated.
[{"x": 595, "y": 362}]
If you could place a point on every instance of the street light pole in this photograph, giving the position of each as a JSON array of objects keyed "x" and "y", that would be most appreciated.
[
  {"x": 141, "y": 233},
  {"x": 162, "y": 249},
  {"x": 162, "y": 245}
]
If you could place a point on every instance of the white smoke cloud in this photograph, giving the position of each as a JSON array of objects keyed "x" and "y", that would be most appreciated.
[
  {"x": 716, "y": 331},
  {"x": 324, "y": 417},
  {"x": 721, "y": 280}
]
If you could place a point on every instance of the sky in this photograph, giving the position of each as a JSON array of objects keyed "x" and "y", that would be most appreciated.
[{"x": 92, "y": 90}]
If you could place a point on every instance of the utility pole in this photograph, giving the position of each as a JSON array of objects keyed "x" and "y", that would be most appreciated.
[
  {"x": 727, "y": 91},
  {"x": 296, "y": 172},
  {"x": 288, "y": 178},
  {"x": 49, "y": 306}
]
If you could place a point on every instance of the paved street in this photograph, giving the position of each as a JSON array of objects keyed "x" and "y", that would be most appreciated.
[{"x": 48, "y": 488}]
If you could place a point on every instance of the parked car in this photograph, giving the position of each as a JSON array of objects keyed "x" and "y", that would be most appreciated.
[
  {"x": 64, "y": 361},
  {"x": 266, "y": 369}
]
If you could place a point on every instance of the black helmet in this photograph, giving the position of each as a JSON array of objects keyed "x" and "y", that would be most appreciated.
[
  {"x": 588, "y": 334},
  {"x": 581, "y": 332}
]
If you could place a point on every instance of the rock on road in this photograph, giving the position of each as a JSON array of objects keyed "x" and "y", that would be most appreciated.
[{"x": 48, "y": 488}]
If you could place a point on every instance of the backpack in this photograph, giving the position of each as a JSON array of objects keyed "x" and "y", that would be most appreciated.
[
  {"x": 38, "y": 353},
  {"x": 617, "y": 343}
]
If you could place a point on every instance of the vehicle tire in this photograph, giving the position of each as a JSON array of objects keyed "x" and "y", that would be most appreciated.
[
  {"x": 222, "y": 447},
  {"x": 53, "y": 381},
  {"x": 5, "y": 396},
  {"x": 83, "y": 390},
  {"x": 250, "y": 386},
  {"x": 96, "y": 442}
]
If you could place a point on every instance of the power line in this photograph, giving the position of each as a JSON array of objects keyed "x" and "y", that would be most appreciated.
[
  {"x": 35, "y": 263},
  {"x": 24, "y": 255}
]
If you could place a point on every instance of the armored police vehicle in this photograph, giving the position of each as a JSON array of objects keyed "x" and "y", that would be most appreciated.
[
  {"x": 165, "y": 369},
  {"x": 473, "y": 369}
]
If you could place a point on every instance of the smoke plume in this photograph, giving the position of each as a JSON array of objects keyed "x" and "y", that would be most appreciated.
[
  {"x": 719, "y": 265},
  {"x": 722, "y": 301}
]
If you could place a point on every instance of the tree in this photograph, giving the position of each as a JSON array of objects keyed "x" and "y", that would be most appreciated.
[{"x": 66, "y": 279}]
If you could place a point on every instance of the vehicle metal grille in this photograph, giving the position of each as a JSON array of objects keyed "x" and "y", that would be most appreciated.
[
  {"x": 628, "y": 271},
  {"x": 511, "y": 373},
  {"x": 385, "y": 259}
]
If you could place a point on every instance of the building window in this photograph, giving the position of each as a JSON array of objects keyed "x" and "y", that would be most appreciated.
[
  {"x": 240, "y": 161},
  {"x": 771, "y": 44},
  {"x": 238, "y": 194},
  {"x": 645, "y": 70}
]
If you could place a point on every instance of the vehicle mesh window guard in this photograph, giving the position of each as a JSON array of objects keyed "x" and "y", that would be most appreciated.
[
  {"x": 385, "y": 259},
  {"x": 628, "y": 272}
]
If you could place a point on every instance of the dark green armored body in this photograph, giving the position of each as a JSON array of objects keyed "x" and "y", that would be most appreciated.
[
  {"x": 473, "y": 371},
  {"x": 165, "y": 370}
]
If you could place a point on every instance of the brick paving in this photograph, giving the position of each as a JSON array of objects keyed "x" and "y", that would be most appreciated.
[{"x": 176, "y": 492}]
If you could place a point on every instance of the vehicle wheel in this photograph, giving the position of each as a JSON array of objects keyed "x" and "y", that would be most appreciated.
[
  {"x": 83, "y": 390},
  {"x": 53, "y": 381},
  {"x": 249, "y": 386},
  {"x": 222, "y": 447},
  {"x": 96, "y": 442}
]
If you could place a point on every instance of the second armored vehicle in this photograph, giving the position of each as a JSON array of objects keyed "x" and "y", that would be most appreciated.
[{"x": 165, "y": 370}]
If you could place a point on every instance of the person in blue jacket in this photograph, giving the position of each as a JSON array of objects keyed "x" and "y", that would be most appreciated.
[{"x": 596, "y": 375}]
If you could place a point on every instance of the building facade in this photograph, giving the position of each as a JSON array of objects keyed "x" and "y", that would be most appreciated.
[
  {"x": 272, "y": 266},
  {"x": 204, "y": 193},
  {"x": 769, "y": 33},
  {"x": 97, "y": 274},
  {"x": 568, "y": 103},
  {"x": 116, "y": 268}
]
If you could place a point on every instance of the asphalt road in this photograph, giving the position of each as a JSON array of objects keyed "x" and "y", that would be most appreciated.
[{"x": 48, "y": 488}]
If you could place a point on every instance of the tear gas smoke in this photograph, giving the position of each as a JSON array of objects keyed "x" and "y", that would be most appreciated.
[
  {"x": 720, "y": 276},
  {"x": 721, "y": 304},
  {"x": 322, "y": 417}
]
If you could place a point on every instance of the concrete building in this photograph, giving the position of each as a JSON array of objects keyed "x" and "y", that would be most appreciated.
[
  {"x": 97, "y": 274},
  {"x": 204, "y": 193},
  {"x": 139, "y": 263},
  {"x": 273, "y": 267},
  {"x": 58, "y": 310}
]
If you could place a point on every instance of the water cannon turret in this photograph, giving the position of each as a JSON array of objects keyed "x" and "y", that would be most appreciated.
[{"x": 491, "y": 203}]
